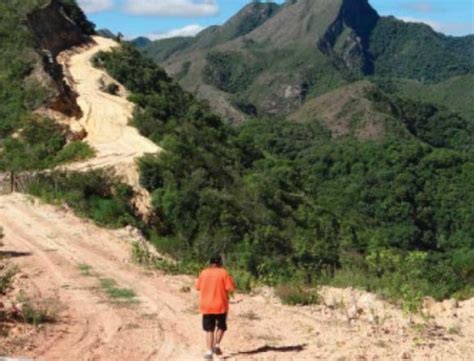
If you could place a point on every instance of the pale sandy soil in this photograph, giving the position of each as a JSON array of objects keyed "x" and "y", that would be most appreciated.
[
  {"x": 105, "y": 119},
  {"x": 164, "y": 324}
]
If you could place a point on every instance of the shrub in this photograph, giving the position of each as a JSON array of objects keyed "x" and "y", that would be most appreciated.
[
  {"x": 112, "y": 89},
  {"x": 94, "y": 194},
  {"x": 37, "y": 311},
  {"x": 243, "y": 280},
  {"x": 297, "y": 295},
  {"x": 6, "y": 278},
  {"x": 74, "y": 151}
]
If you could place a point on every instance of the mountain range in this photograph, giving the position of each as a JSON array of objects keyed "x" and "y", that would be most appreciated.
[{"x": 270, "y": 59}]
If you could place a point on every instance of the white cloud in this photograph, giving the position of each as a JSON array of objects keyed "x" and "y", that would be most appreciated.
[
  {"x": 189, "y": 30},
  {"x": 187, "y": 8},
  {"x": 94, "y": 6}
]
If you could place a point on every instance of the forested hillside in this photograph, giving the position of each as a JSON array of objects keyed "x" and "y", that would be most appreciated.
[
  {"x": 283, "y": 201},
  {"x": 30, "y": 140}
]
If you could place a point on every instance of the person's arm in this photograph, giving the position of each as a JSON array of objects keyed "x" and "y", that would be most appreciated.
[
  {"x": 230, "y": 284},
  {"x": 198, "y": 283}
]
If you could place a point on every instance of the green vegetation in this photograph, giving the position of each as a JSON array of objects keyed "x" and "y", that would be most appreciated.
[
  {"x": 456, "y": 93},
  {"x": 73, "y": 152},
  {"x": 29, "y": 142},
  {"x": 38, "y": 311},
  {"x": 118, "y": 294},
  {"x": 268, "y": 70},
  {"x": 285, "y": 203},
  {"x": 165, "y": 48},
  {"x": 40, "y": 144},
  {"x": 6, "y": 278},
  {"x": 297, "y": 295},
  {"x": 85, "y": 269},
  {"x": 95, "y": 195},
  {"x": 229, "y": 71},
  {"x": 415, "y": 51},
  {"x": 75, "y": 13}
]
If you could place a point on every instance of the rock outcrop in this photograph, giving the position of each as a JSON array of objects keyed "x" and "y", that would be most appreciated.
[
  {"x": 347, "y": 39},
  {"x": 54, "y": 32}
]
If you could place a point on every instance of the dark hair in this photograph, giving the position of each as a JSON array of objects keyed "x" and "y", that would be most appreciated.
[{"x": 217, "y": 260}]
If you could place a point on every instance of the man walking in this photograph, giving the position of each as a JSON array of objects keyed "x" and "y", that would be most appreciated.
[{"x": 214, "y": 285}]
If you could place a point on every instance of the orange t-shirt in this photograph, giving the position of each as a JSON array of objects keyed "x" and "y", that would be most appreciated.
[{"x": 214, "y": 285}]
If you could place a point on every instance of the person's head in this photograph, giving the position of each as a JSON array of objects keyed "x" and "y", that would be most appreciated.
[{"x": 216, "y": 261}]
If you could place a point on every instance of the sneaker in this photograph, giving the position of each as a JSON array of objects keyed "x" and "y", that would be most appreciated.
[
  {"x": 208, "y": 356},
  {"x": 217, "y": 351}
]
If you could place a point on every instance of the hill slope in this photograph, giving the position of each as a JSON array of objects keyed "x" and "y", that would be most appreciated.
[{"x": 304, "y": 49}]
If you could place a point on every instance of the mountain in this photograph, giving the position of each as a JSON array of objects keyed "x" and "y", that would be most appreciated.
[
  {"x": 286, "y": 54},
  {"x": 106, "y": 33},
  {"x": 141, "y": 42}
]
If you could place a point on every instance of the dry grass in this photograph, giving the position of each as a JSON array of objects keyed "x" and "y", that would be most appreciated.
[{"x": 36, "y": 311}]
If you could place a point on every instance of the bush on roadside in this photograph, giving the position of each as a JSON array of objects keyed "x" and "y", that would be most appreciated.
[
  {"x": 112, "y": 89},
  {"x": 94, "y": 194},
  {"x": 74, "y": 151},
  {"x": 297, "y": 295},
  {"x": 36, "y": 311}
]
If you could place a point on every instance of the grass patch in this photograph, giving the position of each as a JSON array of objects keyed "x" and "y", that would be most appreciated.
[
  {"x": 110, "y": 287},
  {"x": 38, "y": 311},
  {"x": 75, "y": 151},
  {"x": 6, "y": 278},
  {"x": 85, "y": 270}
]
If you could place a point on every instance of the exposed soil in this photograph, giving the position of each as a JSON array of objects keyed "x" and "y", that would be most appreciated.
[
  {"x": 65, "y": 257},
  {"x": 105, "y": 119}
]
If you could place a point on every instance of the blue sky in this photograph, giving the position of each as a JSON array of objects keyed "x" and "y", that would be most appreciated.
[{"x": 165, "y": 18}]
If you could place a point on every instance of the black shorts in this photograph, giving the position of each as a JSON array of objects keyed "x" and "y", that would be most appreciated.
[{"x": 210, "y": 322}]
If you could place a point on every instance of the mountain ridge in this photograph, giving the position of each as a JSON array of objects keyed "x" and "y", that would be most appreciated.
[{"x": 330, "y": 43}]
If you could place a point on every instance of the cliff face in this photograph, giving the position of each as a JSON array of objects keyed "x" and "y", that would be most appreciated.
[
  {"x": 347, "y": 39},
  {"x": 56, "y": 32}
]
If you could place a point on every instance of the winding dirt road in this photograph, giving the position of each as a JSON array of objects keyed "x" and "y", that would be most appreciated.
[
  {"x": 106, "y": 119},
  {"x": 163, "y": 324},
  {"x": 105, "y": 116}
]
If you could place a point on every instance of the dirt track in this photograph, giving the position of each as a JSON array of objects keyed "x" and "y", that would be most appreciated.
[
  {"x": 106, "y": 116},
  {"x": 164, "y": 325}
]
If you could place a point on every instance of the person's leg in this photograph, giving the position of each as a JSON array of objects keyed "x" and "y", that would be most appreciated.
[
  {"x": 219, "y": 335},
  {"x": 210, "y": 340},
  {"x": 209, "y": 326}
]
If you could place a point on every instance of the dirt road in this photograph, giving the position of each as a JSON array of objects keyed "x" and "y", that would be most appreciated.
[
  {"x": 106, "y": 116},
  {"x": 106, "y": 119},
  {"x": 66, "y": 257}
]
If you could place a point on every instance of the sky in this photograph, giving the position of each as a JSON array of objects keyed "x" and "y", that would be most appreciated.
[{"x": 166, "y": 18}]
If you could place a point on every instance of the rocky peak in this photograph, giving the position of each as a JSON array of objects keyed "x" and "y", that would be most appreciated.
[
  {"x": 346, "y": 40},
  {"x": 245, "y": 21}
]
